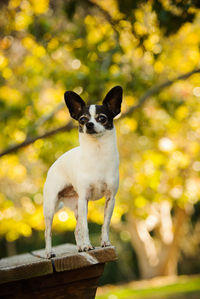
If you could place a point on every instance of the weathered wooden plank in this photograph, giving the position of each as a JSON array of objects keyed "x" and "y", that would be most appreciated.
[
  {"x": 73, "y": 284},
  {"x": 67, "y": 258},
  {"x": 104, "y": 255},
  {"x": 83, "y": 259},
  {"x": 71, "y": 274},
  {"x": 23, "y": 266}
]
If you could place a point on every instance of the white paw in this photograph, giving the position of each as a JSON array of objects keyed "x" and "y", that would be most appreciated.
[
  {"x": 85, "y": 247},
  {"x": 105, "y": 243}
]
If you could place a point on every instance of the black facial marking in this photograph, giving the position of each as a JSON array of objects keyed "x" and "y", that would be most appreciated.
[
  {"x": 90, "y": 127},
  {"x": 103, "y": 115},
  {"x": 86, "y": 111},
  {"x": 103, "y": 110},
  {"x": 84, "y": 118},
  {"x": 101, "y": 118}
]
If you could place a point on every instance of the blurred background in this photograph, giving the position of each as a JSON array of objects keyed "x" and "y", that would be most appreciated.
[{"x": 48, "y": 47}]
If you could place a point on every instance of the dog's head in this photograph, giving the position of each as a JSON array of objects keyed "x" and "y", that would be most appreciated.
[{"x": 95, "y": 119}]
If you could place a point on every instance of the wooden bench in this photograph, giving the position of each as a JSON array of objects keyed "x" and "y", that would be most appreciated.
[{"x": 71, "y": 274}]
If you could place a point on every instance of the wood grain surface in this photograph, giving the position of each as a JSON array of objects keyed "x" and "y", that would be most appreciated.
[{"x": 71, "y": 274}]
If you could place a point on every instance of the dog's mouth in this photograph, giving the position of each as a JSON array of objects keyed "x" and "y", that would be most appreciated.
[
  {"x": 94, "y": 133},
  {"x": 91, "y": 131}
]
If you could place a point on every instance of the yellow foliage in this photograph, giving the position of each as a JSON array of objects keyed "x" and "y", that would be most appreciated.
[
  {"x": 36, "y": 219},
  {"x": 8, "y": 162},
  {"x": 39, "y": 51},
  {"x": 22, "y": 21},
  {"x": 140, "y": 28},
  {"x": 49, "y": 97},
  {"x": 25, "y": 230},
  {"x": 17, "y": 173},
  {"x": 95, "y": 211},
  {"x": 38, "y": 198},
  {"x": 114, "y": 69},
  {"x": 33, "y": 63},
  {"x": 140, "y": 202},
  {"x": 27, "y": 204},
  {"x": 129, "y": 125},
  {"x": 94, "y": 37},
  {"x": 116, "y": 58},
  {"x": 117, "y": 214},
  {"x": 92, "y": 56},
  {"x": 12, "y": 228},
  {"x": 111, "y": 7},
  {"x": 40, "y": 7},
  {"x": 89, "y": 20},
  {"x": 14, "y": 3},
  {"x": 129, "y": 100},
  {"x": 12, "y": 235},
  {"x": 194, "y": 148},
  {"x": 28, "y": 42},
  {"x": 155, "y": 180},
  {"x": 18, "y": 136},
  {"x": 159, "y": 67},
  {"x": 38, "y": 143},
  {"x": 14, "y": 94},
  {"x": 64, "y": 220},
  {"x": 180, "y": 159},
  {"x": 156, "y": 158},
  {"x": 3, "y": 61},
  {"x": 7, "y": 73},
  {"x": 53, "y": 44},
  {"x": 95, "y": 33},
  {"x": 181, "y": 112}
]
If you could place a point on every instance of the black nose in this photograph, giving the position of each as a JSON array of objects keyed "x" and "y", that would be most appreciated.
[{"x": 89, "y": 125}]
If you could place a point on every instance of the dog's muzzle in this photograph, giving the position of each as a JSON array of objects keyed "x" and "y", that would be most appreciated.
[{"x": 90, "y": 128}]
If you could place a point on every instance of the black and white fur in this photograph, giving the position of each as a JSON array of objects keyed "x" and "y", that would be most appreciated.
[{"x": 87, "y": 172}]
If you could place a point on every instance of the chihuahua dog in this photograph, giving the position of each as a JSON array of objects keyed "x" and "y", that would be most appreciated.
[{"x": 87, "y": 172}]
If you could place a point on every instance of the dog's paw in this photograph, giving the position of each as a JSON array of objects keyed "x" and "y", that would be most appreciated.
[
  {"x": 50, "y": 255},
  {"x": 105, "y": 243},
  {"x": 85, "y": 247}
]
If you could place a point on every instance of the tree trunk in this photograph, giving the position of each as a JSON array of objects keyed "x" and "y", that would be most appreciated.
[
  {"x": 157, "y": 256},
  {"x": 11, "y": 248}
]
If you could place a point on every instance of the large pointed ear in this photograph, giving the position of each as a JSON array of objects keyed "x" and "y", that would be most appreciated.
[
  {"x": 113, "y": 100},
  {"x": 74, "y": 103}
]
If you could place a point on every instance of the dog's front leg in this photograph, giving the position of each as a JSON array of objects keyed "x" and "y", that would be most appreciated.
[
  {"x": 81, "y": 232},
  {"x": 109, "y": 206}
]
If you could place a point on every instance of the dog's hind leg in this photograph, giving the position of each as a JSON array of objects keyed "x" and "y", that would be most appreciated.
[
  {"x": 50, "y": 206},
  {"x": 48, "y": 224},
  {"x": 49, "y": 210}
]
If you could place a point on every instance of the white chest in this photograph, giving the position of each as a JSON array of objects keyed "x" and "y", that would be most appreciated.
[{"x": 98, "y": 168}]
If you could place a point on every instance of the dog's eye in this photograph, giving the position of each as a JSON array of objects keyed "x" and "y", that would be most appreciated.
[
  {"x": 102, "y": 119},
  {"x": 83, "y": 120}
]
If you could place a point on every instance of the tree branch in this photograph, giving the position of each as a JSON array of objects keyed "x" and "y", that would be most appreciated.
[
  {"x": 48, "y": 116},
  {"x": 69, "y": 126},
  {"x": 107, "y": 16},
  {"x": 30, "y": 140},
  {"x": 157, "y": 88}
]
